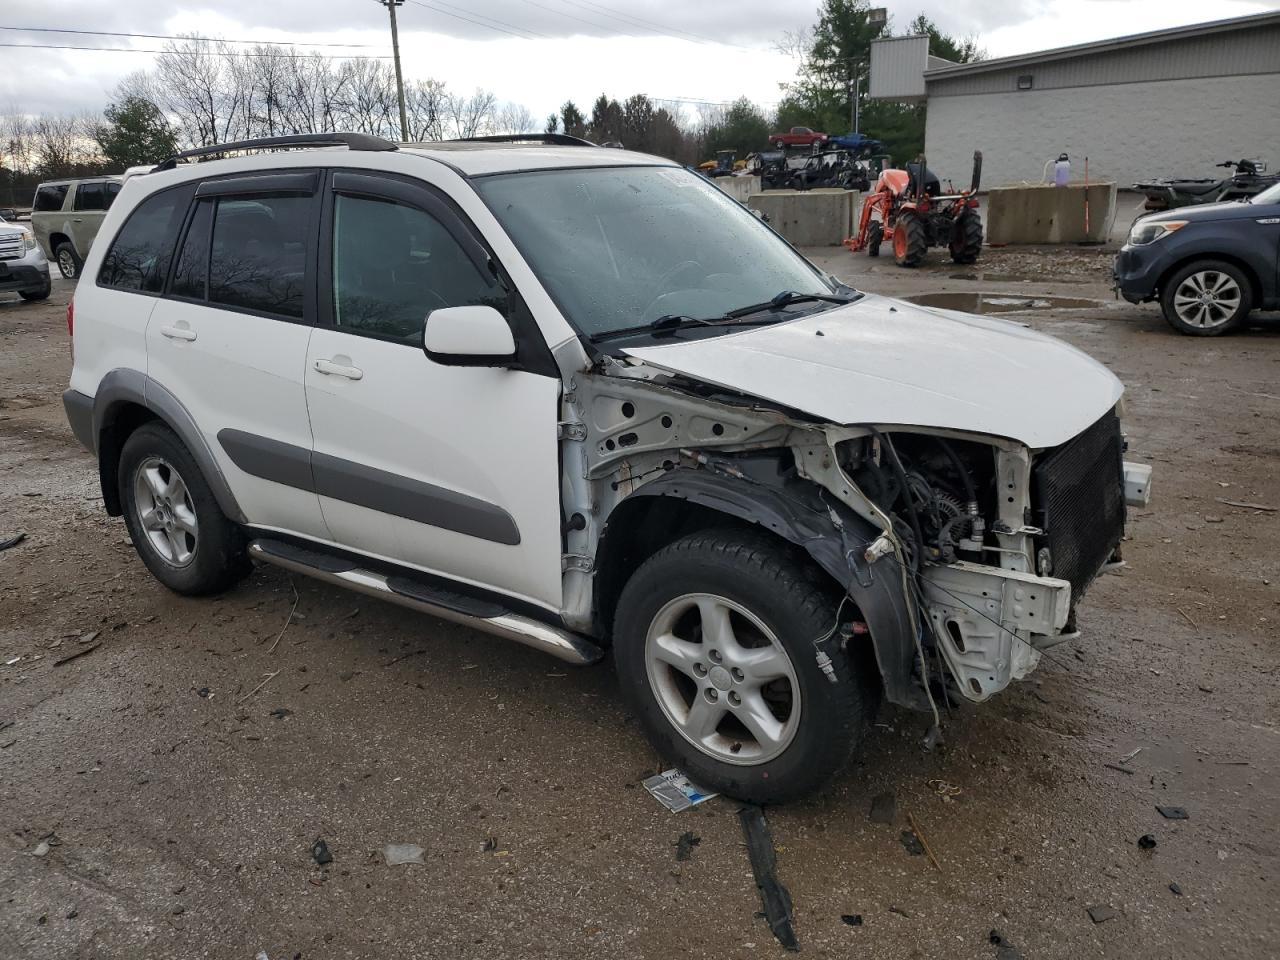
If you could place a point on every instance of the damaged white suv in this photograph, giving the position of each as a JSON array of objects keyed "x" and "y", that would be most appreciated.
[{"x": 579, "y": 398}]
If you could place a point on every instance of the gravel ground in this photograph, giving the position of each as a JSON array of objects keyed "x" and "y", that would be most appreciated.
[{"x": 158, "y": 800}]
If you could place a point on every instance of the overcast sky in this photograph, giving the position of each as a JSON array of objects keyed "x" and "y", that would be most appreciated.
[{"x": 710, "y": 50}]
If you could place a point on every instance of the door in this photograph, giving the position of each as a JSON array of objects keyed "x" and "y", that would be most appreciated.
[
  {"x": 229, "y": 339},
  {"x": 89, "y": 206},
  {"x": 451, "y": 469}
]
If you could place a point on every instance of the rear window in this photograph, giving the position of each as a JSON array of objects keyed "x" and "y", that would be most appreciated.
[
  {"x": 140, "y": 253},
  {"x": 90, "y": 196},
  {"x": 49, "y": 196}
]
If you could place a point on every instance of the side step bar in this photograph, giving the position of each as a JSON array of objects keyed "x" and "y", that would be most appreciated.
[{"x": 480, "y": 615}]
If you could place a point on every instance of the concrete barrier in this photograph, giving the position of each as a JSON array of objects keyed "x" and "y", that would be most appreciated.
[
  {"x": 740, "y": 188},
  {"x": 1048, "y": 214},
  {"x": 810, "y": 218}
]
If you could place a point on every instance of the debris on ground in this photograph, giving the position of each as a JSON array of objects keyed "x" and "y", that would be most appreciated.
[
  {"x": 1175, "y": 889},
  {"x": 1246, "y": 505},
  {"x": 944, "y": 789},
  {"x": 915, "y": 829},
  {"x": 1130, "y": 755},
  {"x": 41, "y": 850},
  {"x": 1102, "y": 913},
  {"x": 1173, "y": 813},
  {"x": 398, "y": 853},
  {"x": 77, "y": 654},
  {"x": 1004, "y": 949},
  {"x": 281, "y": 712},
  {"x": 912, "y": 843},
  {"x": 684, "y": 846},
  {"x": 852, "y": 919},
  {"x": 1116, "y": 766},
  {"x": 1147, "y": 842},
  {"x": 764, "y": 864},
  {"x": 884, "y": 808},
  {"x": 320, "y": 852},
  {"x": 675, "y": 791},
  {"x": 12, "y": 542}
]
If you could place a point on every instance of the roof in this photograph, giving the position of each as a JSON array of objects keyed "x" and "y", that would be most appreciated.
[
  {"x": 1105, "y": 46},
  {"x": 479, "y": 158}
]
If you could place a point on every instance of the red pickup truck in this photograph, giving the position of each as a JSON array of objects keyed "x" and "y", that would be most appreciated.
[{"x": 797, "y": 137}]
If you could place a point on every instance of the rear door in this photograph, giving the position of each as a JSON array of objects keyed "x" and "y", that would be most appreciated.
[
  {"x": 229, "y": 339},
  {"x": 451, "y": 469},
  {"x": 89, "y": 206}
]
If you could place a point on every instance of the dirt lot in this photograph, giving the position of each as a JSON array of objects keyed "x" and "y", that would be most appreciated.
[{"x": 179, "y": 803}]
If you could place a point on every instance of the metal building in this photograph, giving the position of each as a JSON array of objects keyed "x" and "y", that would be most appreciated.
[{"x": 1165, "y": 103}]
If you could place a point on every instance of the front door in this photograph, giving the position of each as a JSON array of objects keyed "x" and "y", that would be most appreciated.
[
  {"x": 451, "y": 469},
  {"x": 230, "y": 339}
]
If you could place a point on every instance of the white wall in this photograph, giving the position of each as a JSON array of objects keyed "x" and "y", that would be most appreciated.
[{"x": 1130, "y": 131}]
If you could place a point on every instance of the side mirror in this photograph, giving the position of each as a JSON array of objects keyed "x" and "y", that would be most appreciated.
[{"x": 468, "y": 337}]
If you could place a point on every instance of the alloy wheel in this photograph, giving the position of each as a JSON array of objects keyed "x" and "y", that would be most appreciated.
[
  {"x": 722, "y": 679},
  {"x": 164, "y": 511},
  {"x": 67, "y": 263},
  {"x": 1207, "y": 299}
]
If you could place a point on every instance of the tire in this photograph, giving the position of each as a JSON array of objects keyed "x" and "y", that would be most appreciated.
[
  {"x": 1229, "y": 293},
  {"x": 875, "y": 236},
  {"x": 966, "y": 238},
  {"x": 769, "y": 597},
  {"x": 178, "y": 529},
  {"x": 910, "y": 244},
  {"x": 69, "y": 262},
  {"x": 40, "y": 294}
]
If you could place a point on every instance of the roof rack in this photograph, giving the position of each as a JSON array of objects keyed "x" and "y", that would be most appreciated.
[
  {"x": 352, "y": 141},
  {"x": 559, "y": 139}
]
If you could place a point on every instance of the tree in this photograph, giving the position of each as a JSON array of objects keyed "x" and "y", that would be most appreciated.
[
  {"x": 572, "y": 120},
  {"x": 136, "y": 132},
  {"x": 948, "y": 48},
  {"x": 553, "y": 123},
  {"x": 741, "y": 126}
]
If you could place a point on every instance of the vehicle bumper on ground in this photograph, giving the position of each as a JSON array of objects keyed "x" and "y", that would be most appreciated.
[
  {"x": 24, "y": 274},
  {"x": 1136, "y": 271}
]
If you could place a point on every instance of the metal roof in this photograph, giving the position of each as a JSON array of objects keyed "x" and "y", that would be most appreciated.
[{"x": 1252, "y": 21}]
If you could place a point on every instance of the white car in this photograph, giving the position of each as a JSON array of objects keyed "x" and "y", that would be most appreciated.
[
  {"x": 579, "y": 398},
  {"x": 23, "y": 267}
]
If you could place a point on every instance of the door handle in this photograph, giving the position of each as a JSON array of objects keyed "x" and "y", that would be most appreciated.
[
  {"x": 178, "y": 333},
  {"x": 332, "y": 369},
  {"x": 77, "y": 220}
]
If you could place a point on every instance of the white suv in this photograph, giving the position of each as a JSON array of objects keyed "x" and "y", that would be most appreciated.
[{"x": 579, "y": 398}]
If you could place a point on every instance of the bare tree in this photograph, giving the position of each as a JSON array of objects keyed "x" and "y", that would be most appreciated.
[
  {"x": 426, "y": 105},
  {"x": 471, "y": 116},
  {"x": 513, "y": 118}
]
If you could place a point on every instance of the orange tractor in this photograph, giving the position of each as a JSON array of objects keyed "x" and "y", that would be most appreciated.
[{"x": 908, "y": 209}]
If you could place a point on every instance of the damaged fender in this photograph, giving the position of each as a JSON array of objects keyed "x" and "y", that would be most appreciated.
[{"x": 797, "y": 513}]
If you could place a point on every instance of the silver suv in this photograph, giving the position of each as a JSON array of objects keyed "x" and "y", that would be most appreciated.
[
  {"x": 66, "y": 215},
  {"x": 579, "y": 398}
]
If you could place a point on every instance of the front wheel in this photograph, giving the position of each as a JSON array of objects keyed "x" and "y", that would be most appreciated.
[
  {"x": 1206, "y": 298},
  {"x": 716, "y": 641},
  {"x": 41, "y": 293},
  {"x": 69, "y": 262},
  {"x": 910, "y": 243},
  {"x": 875, "y": 236}
]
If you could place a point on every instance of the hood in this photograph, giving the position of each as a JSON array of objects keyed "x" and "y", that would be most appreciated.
[
  {"x": 1203, "y": 212},
  {"x": 885, "y": 362}
]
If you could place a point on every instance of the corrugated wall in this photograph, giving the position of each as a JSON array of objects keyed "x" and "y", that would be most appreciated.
[{"x": 1229, "y": 53}]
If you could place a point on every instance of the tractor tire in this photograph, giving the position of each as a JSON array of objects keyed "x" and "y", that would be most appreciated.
[
  {"x": 966, "y": 238},
  {"x": 910, "y": 241},
  {"x": 875, "y": 236}
]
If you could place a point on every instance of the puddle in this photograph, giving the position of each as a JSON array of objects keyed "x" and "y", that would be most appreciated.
[{"x": 1001, "y": 302}]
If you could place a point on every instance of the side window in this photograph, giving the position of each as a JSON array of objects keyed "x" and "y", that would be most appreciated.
[
  {"x": 191, "y": 274},
  {"x": 112, "y": 188},
  {"x": 259, "y": 254},
  {"x": 89, "y": 196},
  {"x": 393, "y": 264},
  {"x": 49, "y": 196},
  {"x": 138, "y": 258}
]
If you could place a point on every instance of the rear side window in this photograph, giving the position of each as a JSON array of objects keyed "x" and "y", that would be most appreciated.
[
  {"x": 90, "y": 196},
  {"x": 49, "y": 196},
  {"x": 259, "y": 254},
  {"x": 139, "y": 256},
  {"x": 110, "y": 188},
  {"x": 191, "y": 274}
]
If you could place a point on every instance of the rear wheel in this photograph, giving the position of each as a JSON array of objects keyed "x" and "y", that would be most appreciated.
[
  {"x": 715, "y": 643},
  {"x": 966, "y": 238},
  {"x": 910, "y": 242},
  {"x": 1206, "y": 298},
  {"x": 875, "y": 236},
  {"x": 174, "y": 521},
  {"x": 69, "y": 263}
]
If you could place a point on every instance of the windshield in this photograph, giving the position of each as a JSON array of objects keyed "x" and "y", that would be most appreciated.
[
  {"x": 618, "y": 247},
  {"x": 1269, "y": 195}
]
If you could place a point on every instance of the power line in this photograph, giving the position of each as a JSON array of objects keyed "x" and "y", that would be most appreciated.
[
  {"x": 485, "y": 16},
  {"x": 522, "y": 35},
  {"x": 170, "y": 36},
  {"x": 653, "y": 25},
  {"x": 198, "y": 53}
]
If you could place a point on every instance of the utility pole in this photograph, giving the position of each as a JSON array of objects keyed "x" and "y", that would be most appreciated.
[{"x": 395, "y": 49}]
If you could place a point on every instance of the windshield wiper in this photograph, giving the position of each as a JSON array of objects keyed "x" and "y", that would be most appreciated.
[
  {"x": 670, "y": 323},
  {"x": 785, "y": 299}
]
